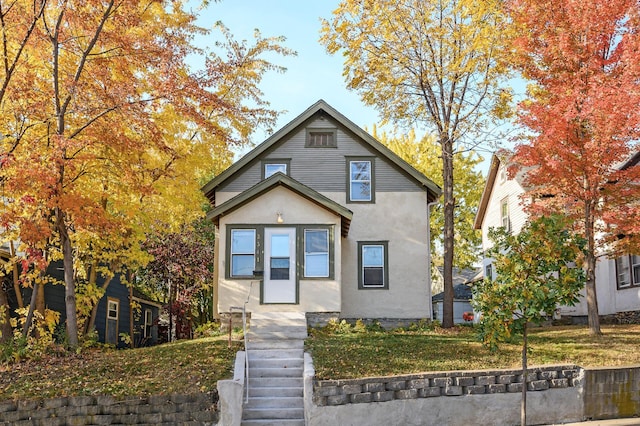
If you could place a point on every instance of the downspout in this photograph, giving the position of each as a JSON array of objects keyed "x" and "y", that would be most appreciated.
[{"x": 429, "y": 267}]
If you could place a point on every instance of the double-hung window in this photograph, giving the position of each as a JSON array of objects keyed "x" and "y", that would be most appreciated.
[
  {"x": 504, "y": 214},
  {"x": 243, "y": 252},
  {"x": 373, "y": 265},
  {"x": 316, "y": 253},
  {"x": 360, "y": 186},
  {"x": 628, "y": 271}
]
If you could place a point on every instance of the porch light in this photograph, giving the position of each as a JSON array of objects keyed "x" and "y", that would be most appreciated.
[{"x": 279, "y": 218}]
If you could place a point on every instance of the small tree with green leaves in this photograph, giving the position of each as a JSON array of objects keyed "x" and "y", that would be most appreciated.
[{"x": 536, "y": 272}]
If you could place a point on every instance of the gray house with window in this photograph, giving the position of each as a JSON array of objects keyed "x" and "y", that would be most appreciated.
[{"x": 322, "y": 218}]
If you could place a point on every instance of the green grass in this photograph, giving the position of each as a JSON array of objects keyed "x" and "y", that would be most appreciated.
[
  {"x": 180, "y": 367},
  {"x": 196, "y": 365},
  {"x": 377, "y": 353}
]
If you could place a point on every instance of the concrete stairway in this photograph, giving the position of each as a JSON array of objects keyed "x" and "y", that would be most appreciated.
[{"x": 275, "y": 347}]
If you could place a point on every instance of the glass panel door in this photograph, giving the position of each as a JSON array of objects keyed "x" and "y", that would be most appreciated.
[{"x": 280, "y": 285}]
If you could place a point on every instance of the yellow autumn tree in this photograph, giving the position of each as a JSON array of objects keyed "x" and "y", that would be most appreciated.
[
  {"x": 427, "y": 62},
  {"x": 423, "y": 155},
  {"x": 107, "y": 130}
]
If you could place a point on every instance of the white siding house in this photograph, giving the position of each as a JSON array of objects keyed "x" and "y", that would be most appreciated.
[{"x": 617, "y": 280}]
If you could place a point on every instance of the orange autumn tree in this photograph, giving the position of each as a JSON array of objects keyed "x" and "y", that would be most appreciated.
[
  {"x": 583, "y": 58},
  {"x": 107, "y": 129}
]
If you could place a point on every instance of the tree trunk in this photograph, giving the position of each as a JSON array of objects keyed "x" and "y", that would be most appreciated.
[
  {"x": 69, "y": 281},
  {"x": 523, "y": 403},
  {"x": 94, "y": 310},
  {"x": 590, "y": 271},
  {"x": 16, "y": 276},
  {"x": 449, "y": 204},
  {"x": 32, "y": 307},
  {"x": 5, "y": 323}
]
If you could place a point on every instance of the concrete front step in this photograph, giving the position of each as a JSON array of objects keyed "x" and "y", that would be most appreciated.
[
  {"x": 275, "y": 402},
  {"x": 276, "y": 326},
  {"x": 275, "y": 372},
  {"x": 274, "y": 382},
  {"x": 272, "y": 413},
  {"x": 266, "y": 391},
  {"x": 260, "y": 343},
  {"x": 276, "y": 362},
  {"x": 275, "y": 335},
  {"x": 271, "y": 422},
  {"x": 266, "y": 354}
]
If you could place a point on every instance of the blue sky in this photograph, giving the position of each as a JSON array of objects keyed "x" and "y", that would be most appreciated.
[{"x": 311, "y": 75}]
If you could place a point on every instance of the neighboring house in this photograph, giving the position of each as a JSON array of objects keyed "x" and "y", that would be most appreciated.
[
  {"x": 617, "y": 280},
  {"x": 114, "y": 315},
  {"x": 462, "y": 295},
  {"x": 322, "y": 218}
]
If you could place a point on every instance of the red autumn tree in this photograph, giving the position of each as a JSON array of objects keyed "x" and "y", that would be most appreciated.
[{"x": 583, "y": 57}]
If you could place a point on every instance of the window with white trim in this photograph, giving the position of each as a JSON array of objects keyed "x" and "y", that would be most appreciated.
[
  {"x": 148, "y": 322},
  {"x": 316, "y": 253},
  {"x": 504, "y": 214},
  {"x": 112, "y": 309}
]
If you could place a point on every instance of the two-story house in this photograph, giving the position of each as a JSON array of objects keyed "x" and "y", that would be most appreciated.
[
  {"x": 617, "y": 280},
  {"x": 322, "y": 218}
]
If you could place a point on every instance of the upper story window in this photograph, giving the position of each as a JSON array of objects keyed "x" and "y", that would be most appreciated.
[
  {"x": 628, "y": 271},
  {"x": 360, "y": 186},
  {"x": 273, "y": 166},
  {"x": 502, "y": 171},
  {"x": 321, "y": 138},
  {"x": 504, "y": 214}
]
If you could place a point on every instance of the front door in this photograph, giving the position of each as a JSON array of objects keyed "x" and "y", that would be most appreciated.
[{"x": 280, "y": 266}]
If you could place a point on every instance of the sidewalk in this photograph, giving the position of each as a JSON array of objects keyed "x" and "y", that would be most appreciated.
[{"x": 615, "y": 422}]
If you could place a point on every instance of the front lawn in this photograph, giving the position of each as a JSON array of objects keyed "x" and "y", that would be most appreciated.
[
  {"x": 182, "y": 367},
  {"x": 351, "y": 354}
]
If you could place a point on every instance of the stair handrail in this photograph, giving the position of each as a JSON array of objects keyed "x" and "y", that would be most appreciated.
[{"x": 243, "y": 308}]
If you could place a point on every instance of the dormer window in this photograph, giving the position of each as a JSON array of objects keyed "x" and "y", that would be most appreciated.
[
  {"x": 271, "y": 167},
  {"x": 321, "y": 138}
]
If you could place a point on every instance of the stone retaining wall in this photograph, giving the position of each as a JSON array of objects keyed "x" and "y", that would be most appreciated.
[
  {"x": 451, "y": 383},
  {"x": 177, "y": 409}
]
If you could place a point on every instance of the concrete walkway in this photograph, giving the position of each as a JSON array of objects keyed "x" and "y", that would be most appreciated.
[{"x": 613, "y": 422}]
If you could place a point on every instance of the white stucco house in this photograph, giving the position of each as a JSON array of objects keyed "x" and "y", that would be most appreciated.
[
  {"x": 617, "y": 279},
  {"x": 322, "y": 218}
]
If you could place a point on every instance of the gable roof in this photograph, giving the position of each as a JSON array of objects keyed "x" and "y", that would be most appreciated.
[
  {"x": 280, "y": 179},
  {"x": 433, "y": 190},
  {"x": 503, "y": 156}
]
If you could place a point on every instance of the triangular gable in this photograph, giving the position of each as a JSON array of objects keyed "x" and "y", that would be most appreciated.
[
  {"x": 486, "y": 193},
  {"x": 432, "y": 189},
  {"x": 280, "y": 179}
]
